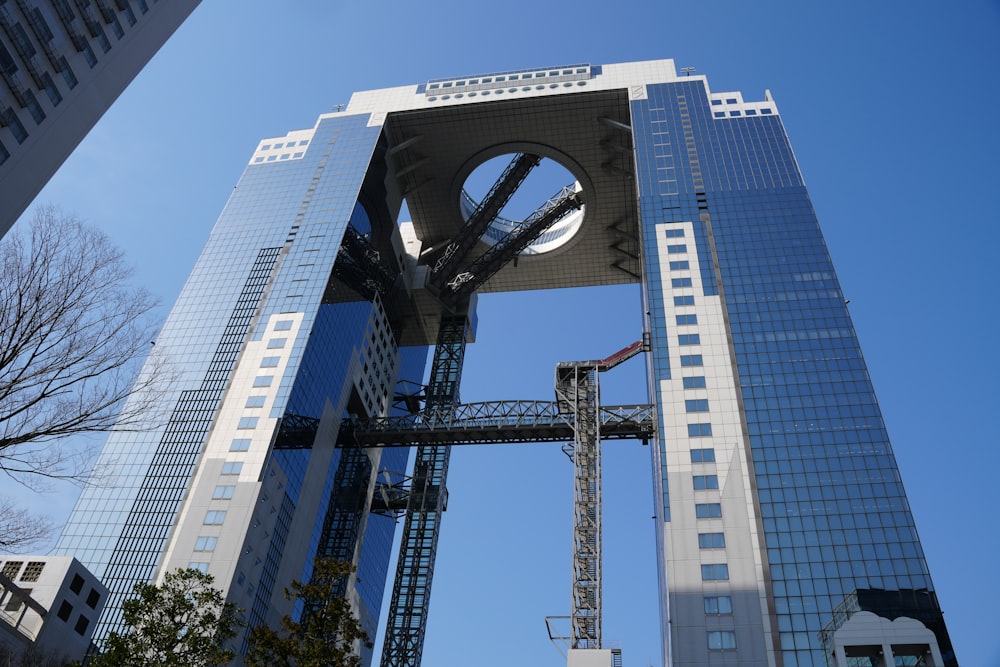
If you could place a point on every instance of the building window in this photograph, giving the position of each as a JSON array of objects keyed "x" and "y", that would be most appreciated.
[
  {"x": 32, "y": 571},
  {"x": 686, "y": 300},
  {"x": 677, "y": 249},
  {"x": 699, "y": 430},
  {"x": 263, "y": 380},
  {"x": 93, "y": 597},
  {"x": 675, "y": 233},
  {"x": 77, "y": 584},
  {"x": 680, "y": 282},
  {"x": 689, "y": 318},
  {"x": 708, "y": 510},
  {"x": 283, "y": 325},
  {"x": 688, "y": 360},
  {"x": 270, "y": 362},
  {"x": 81, "y": 625},
  {"x": 198, "y": 565},
  {"x": 247, "y": 422},
  {"x": 65, "y": 610},
  {"x": 702, "y": 482},
  {"x": 240, "y": 445},
  {"x": 215, "y": 517},
  {"x": 718, "y": 605},
  {"x": 721, "y": 640},
  {"x": 223, "y": 492},
  {"x": 232, "y": 467},
  {"x": 694, "y": 382},
  {"x": 706, "y": 455},
  {"x": 696, "y": 405},
  {"x": 255, "y": 401},
  {"x": 715, "y": 572},
  {"x": 205, "y": 543},
  {"x": 711, "y": 541},
  {"x": 276, "y": 343},
  {"x": 680, "y": 265},
  {"x": 689, "y": 339}
]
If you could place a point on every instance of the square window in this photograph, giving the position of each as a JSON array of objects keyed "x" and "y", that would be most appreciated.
[
  {"x": 715, "y": 572},
  {"x": 283, "y": 325},
  {"x": 255, "y": 401},
  {"x": 32, "y": 571},
  {"x": 232, "y": 467},
  {"x": 240, "y": 445},
  {"x": 215, "y": 517},
  {"x": 689, "y": 360},
  {"x": 263, "y": 380},
  {"x": 65, "y": 610},
  {"x": 706, "y": 455},
  {"x": 81, "y": 625},
  {"x": 270, "y": 362},
  {"x": 718, "y": 114},
  {"x": 276, "y": 343},
  {"x": 77, "y": 584},
  {"x": 689, "y": 318},
  {"x": 718, "y": 605},
  {"x": 223, "y": 492},
  {"x": 677, "y": 249},
  {"x": 689, "y": 339},
  {"x": 686, "y": 300},
  {"x": 205, "y": 543},
  {"x": 708, "y": 510},
  {"x": 694, "y": 382},
  {"x": 680, "y": 282},
  {"x": 675, "y": 233},
  {"x": 765, "y": 112},
  {"x": 721, "y": 640},
  {"x": 711, "y": 540},
  {"x": 196, "y": 565},
  {"x": 702, "y": 482},
  {"x": 680, "y": 265},
  {"x": 248, "y": 422},
  {"x": 734, "y": 113},
  {"x": 699, "y": 430},
  {"x": 696, "y": 405},
  {"x": 93, "y": 598}
]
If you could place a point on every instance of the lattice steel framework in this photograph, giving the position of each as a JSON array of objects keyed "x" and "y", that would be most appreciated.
[
  {"x": 577, "y": 392},
  {"x": 407, "y": 623},
  {"x": 484, "y": 214},
  {"x": 486, "y": 265},
  {"x": 494, "y": 422}
]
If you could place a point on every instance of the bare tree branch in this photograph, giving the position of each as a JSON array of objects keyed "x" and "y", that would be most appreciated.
[
  {"x": 73, "y": 337},
  {"x": 20, "y": 529}
]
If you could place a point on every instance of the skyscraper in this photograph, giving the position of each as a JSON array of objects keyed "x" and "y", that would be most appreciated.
[
  {"x": 63, "y": 64},
  {"x": 781, "y": 516}
]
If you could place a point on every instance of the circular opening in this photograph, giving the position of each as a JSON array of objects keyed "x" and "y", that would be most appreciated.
[{"x": 546, "y": 181}]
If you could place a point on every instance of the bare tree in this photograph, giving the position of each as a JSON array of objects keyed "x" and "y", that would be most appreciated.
[
  {"x": 73, "y": 334},
  {"x": 19, "y": 528}
]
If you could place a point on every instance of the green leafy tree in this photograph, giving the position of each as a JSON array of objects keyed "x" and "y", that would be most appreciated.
[
  {"x": 183, "y": 622},
  {"x": 326, "y": 636}
]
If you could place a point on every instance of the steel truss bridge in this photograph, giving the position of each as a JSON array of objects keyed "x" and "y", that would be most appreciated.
[{"x": 494, "y": 422}]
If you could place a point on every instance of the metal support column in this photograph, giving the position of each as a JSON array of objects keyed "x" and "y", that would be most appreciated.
[
  {"x": 577, "y": 392},
  {"x": 407, "y": 623}
]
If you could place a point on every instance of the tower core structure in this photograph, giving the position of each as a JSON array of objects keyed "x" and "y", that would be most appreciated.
[{"x": 780, "y": 512}]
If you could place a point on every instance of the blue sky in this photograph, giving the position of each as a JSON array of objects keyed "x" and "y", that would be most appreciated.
[{"x": 891, "y": 107}]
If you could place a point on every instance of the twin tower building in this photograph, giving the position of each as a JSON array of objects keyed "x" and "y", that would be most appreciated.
[{"x": 783, "y": 532}]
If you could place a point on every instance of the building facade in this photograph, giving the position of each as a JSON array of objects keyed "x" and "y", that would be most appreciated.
[
  {"x": 49, "y": 607},
  {"x": 63, "y": 63},
  {"x": 778, "y": 495}
]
